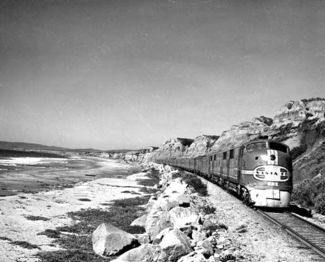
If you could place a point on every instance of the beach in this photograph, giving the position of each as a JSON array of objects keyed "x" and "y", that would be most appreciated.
[{"x": 51, "y": 195}]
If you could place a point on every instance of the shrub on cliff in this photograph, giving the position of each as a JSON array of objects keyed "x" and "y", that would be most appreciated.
[
  {"x": 320, "y": 204},
  {"x": 310, "y": 193},
  {"x": 302, "y": 193},
  {"x": 193, "y": 181},
  {"x": 198, "y": 185},
  {"x": 297, "y": 151}
]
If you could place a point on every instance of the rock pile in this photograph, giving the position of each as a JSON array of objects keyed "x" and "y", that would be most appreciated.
[{"x": 180, "y": 226}]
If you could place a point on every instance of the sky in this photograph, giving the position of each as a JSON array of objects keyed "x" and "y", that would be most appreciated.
[{"x": 111, "y": 74}]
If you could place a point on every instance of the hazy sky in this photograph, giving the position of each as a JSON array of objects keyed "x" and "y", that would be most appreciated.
[{"x": 127, "y": 74}]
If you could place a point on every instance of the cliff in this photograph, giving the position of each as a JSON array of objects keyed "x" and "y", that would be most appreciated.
[
  {"x": 200, "y": 146},
  {"x": 299, "y": 124}
]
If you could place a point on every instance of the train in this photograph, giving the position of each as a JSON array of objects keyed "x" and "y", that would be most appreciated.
[{"x": 260, "y": 171}]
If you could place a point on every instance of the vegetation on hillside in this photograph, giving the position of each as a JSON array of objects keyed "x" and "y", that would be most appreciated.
[
  {"x": 75, "y": 240},
  {"x": 193, "y": 181},
  {"x": 311, "y": 194}
]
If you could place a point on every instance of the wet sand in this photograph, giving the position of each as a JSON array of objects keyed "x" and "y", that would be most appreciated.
[{"x": 49, "y": 174}]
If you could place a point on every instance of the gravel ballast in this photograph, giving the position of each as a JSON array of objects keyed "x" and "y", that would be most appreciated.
[{"x": 258, "y": 239}]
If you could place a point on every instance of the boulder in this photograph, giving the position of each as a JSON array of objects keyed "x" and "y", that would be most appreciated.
[
  {"x": 143, "y": 238},
  {"x": 109, "y": 240},
  {"x": 176, "y": 186},
  {"x": 206, "y": 247},
  {"x": 161, "y": 235},
  {"x": 144, "y": 253},
  {"x": 157, "y": 220},
  {"x": 184, "y": 217},
  {"x": 198, "y": 236},
  {"x": 174, "y": 245},
  {"x": 165, "y": 203},
  {"x": 140, "y": 221},
  {"x": 169, "y": 200},
  {"x": 210, "y": 219},
  {"x": 192, "y": 257},
  {"x": 183, "y": 200}
]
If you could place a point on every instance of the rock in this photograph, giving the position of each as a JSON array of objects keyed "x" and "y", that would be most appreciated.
[
  {"x": 223, "y": 243},
  {"x": 176, "y": 186},
  {"x": 173, "y": 147},
  {"x": 193, "y": 257},
  {"x": 242, "y": 229},
  {"x": 241, "y": 133},
  {"x": 198, "y": 236},
  {"x": 212, "y": 259},
  {"x": 200, "y": 145},
  {"x": 210, "y": 221},
  {"x": 227, "y": 257},
  {"x": 207, "y": 247},
  {"x": 187, "y": 230},
  {"x": 211, "y": 225},
  {"x": 183, "y": 217},
  {"x": 143, "y": 238},
  {"x": 183, "y": 200},
  {"x": 144, "y": 253},
  {"x": 165, "y": 203},
  {"x": 169, "y": 200},
  {"x": 213, "y": 240},
  {"x": 140, "y": 221},
  {"x": 220, "y": 247},
  {"x": 161, "y": 235},
  {"x": 109, "y": 240},
  {"x": 157, "y": 220},
  {"x": 174, "y": 245}
]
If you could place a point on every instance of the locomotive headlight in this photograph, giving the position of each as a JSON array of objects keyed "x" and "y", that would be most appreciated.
[{"x": 272, "y": 157}]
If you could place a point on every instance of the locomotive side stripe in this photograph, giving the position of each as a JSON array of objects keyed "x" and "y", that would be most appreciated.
[
  {"x": 247, "y": 172},
  {"x": 268, "y": 152},
  {"x": 272, "y": 162},
  {"x": 276, "y": 157}
]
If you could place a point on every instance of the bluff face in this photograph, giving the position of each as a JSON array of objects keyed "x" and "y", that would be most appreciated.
[{"x": 299, "y": 124}]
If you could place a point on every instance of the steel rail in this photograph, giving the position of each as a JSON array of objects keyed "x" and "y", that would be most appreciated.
[
  {"x": 320, "y": 251},
  {"x": 308, "y": 242}
]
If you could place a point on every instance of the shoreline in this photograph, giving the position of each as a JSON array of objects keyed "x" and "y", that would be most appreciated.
[
  {"x": 24, "y": 216},
  {"x": 61, "y": 174}
]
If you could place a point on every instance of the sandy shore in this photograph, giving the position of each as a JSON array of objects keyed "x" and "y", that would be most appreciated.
[
  {"x": 31, "y": 175},
  {"x": 52, "y": 207}
]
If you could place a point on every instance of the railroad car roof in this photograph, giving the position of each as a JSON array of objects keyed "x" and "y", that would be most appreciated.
[{"x": 243, "y": 144}]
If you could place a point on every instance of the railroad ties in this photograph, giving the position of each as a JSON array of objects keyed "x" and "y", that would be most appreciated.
[{"x": 309, "y": 234}]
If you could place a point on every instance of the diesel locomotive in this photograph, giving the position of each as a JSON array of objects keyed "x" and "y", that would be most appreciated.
[{"x": 259, "y": 171}]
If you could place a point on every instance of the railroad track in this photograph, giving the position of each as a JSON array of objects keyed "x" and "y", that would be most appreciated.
[
  {"x": 304, "y": 231},
  {"x": 309, "y": 234}
]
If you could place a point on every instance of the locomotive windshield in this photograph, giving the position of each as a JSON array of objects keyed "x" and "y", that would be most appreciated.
[
  {"x": 256, "y": 146},
  {"x": 278, "y": 146}
]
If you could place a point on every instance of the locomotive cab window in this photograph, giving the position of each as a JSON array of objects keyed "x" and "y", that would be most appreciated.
[
  {"x": 255, "y": 146},
  {"x": 224, "y": 155},
  {"x": 278, "y": 146},
  {"x": 231, "y": 154}
]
